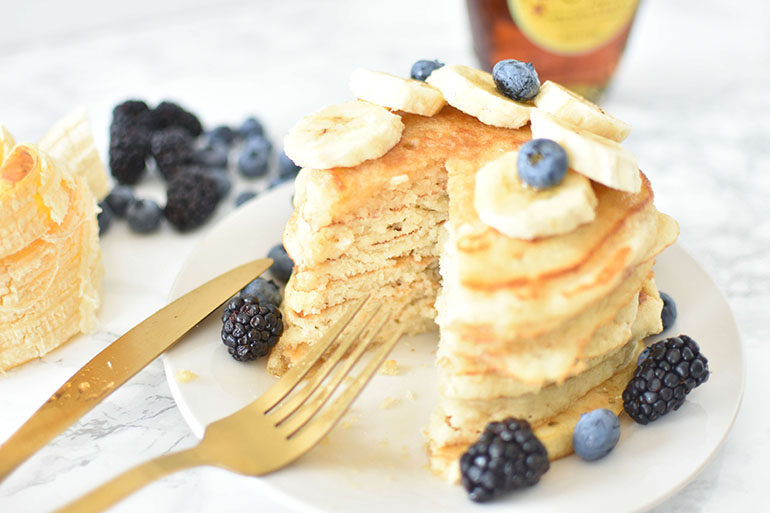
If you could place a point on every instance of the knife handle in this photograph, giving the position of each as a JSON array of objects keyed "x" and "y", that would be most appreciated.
[{"x": 118, "y": 488}]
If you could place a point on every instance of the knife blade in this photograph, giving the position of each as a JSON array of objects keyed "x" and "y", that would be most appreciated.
[{"x": 120, "y": 361}]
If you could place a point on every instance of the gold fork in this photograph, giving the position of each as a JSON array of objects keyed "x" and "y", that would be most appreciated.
[{"x": 278, "y": 427}]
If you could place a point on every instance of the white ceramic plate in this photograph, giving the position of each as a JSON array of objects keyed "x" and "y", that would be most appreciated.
[{"x": 375, "y": 459}]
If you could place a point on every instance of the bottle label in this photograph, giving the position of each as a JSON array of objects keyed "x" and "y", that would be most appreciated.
[{"x": 571, "y": 26}]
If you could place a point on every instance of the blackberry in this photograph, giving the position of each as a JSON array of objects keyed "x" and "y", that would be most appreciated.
[
  {"x": 250, "y": 330},
  {"x": 131, "y": 113},
  {"x": 506, "y": 456},
  {"x": 667, "y": 371},
  {"x": 172, "y": 149},
  {"x": 168, "y": 114},
  {"x": 129, "y": 149},
  {"x": 191, "y": 198}
]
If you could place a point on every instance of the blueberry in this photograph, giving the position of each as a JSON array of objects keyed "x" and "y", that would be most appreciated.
[
  {"x": 542, "y": 163},
  {"x": 251, "y": 127},
  {"x": 255, "y": 157},
  {"x": 266, "y": 291},
  {"x": 223, "y": 135},
  {"x": 515, "y": 79},
  {"x": 286, "y": 167},
  {"x": 423, "y": 68},
  {"x": 224, "y": 184},
  {"x": 282, "y": 264},
  {"x": 143, "y": 216},
  {"x": 104, "y": 218},
  {"x": 643, "y": 356},
  {"x": 244, "y": 197},
  {"x": 596, "y": 434},
  {"x": 668, "y": 314},
  {"x": 212, "y": 155},
  {"x": 119, "y": 198}
]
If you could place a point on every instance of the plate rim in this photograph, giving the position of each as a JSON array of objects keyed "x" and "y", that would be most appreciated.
[{"x": 278, "y": 494}]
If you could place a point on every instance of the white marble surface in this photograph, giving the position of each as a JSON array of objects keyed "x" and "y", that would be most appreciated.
[{"x": 695, "y": 84}]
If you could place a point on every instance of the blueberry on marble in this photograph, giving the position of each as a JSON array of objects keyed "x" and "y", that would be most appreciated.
[
  {"x": 541, "y": 163},
  {"x": 255, "y": 157},
  {"x": 282, "y": 264},
  {"x": 104, "y": 217},
  {"x": 143, "y": 215},
  {"x": 267, "y": 291},
  {"x": 119, "y": 198},
  {"x": 251, "y": 127},
  {"x": 223, "y": 135},
  {"x": 286, "y": 167},
  {"x": 244, "y": 197},
  {"x": 668, "y": 314},
  {"x": 423, "y": 68},
  {"x": 596, "y": 434},
  {"x": 212, "y": 155},
  {"x": 515, "y": 79},
  {"x": 222, "y": 179}
]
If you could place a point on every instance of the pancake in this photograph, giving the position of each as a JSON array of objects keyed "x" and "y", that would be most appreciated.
[
  {"x": 50, "y": 262},
  {"x": 539, "y": 329}
]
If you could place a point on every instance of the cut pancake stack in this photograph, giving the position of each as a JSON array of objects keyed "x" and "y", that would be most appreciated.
[
  {"x": 50, "y": 262},
  {"x": 542, "y": 297}
]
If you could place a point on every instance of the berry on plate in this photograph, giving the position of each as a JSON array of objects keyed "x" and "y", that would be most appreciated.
[
  {"x": 667, "y": 371},
  {"x": 507, "y": 456},
  {"x": 596, "y": 434}
]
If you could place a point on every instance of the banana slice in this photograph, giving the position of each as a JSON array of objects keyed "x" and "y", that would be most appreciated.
[
  {"x": 564, "y": 104},
  {"x": 600, "y": 159},
  {"x": 474, "y": 92},
  {"x": 398, "y": 93},
  {"x": 70, "y": 140},
  {"x": 503, "y": 202},
  {"x": 6, "y": 143},
  {"x": 343, "y": 135}
]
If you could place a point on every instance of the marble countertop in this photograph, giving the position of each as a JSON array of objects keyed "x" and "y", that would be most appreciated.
[{"x": 695, "y": 84}]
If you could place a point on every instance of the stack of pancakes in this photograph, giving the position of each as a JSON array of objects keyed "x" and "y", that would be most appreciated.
[
  {"x": 50, "y": 261},
  {"x": 541, "y": 329}
]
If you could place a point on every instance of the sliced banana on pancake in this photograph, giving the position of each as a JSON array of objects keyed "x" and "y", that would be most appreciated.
[
  {"x": 503, "y": 202},
  {"x": 343, "y": 135},
  {"x": 71, "y": 141},
  {"x": 474, "y": 92},
  {"x": 408, "y": 95},
  {"x": 600, "y": 159},
  {"x": 573, "y": 108},
  {"x": 7, "y": 143}
]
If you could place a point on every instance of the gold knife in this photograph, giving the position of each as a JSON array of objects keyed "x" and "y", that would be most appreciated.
[{"x": 120, "y": 361}]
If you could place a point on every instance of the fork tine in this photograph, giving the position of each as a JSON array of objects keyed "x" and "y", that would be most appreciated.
[
  {"x": 310, "y": 408},
  {"x": 293, "y": 376},
  {"x": 280, "y": 412},
  {"x": 318, "y": 427}
]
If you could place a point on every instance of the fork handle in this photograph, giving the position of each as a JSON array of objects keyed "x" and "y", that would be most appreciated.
[{"x": 125, "y": 484}]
